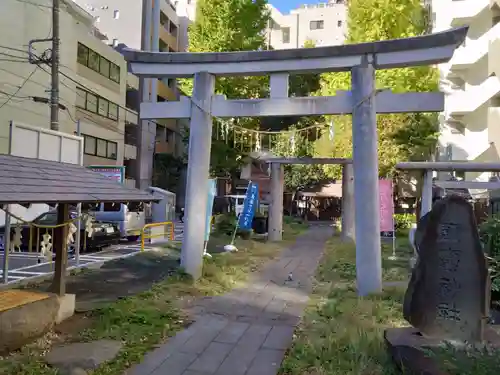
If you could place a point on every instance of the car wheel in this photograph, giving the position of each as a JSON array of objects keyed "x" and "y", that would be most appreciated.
[{"x": 132, "y": 238}]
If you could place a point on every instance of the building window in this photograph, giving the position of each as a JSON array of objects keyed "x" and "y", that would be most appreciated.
[
  {"x": 91, "y": 103},
  {"x": 99, "y": 147},
  {"x": 96, "y": 104},
  {"x": 82, "y": 54},
  {"x": 339, "y": 23},
  {"x": 317, "y": 25},
  {"x": 104, "y": 67},
  {"x": 103, "y": 108},
  {"x": 112, "y": 150},
  {"x": 89, "y": 145},
  {"x": 285, "y": 35},
  {"x": 102, "y": 148},
  {"x": 98, "y": 63},
  {"x": 113, "y": 111},
  {"x": 93, "y": 60}
]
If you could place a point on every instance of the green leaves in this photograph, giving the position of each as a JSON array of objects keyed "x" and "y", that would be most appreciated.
[{"x": 401, "y": 136}]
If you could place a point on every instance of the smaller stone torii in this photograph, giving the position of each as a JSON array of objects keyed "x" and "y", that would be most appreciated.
[
  {"x": 277, "y": 190},
  {"x": 364, "y": 102},
  {"x": 427, "y": 169}
]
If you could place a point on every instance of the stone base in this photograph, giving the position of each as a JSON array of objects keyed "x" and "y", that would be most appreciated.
[
  {"x": 407, "y": 349},
  {"x": 25, "y": 316},
  {"x": 66, "y": 307}
]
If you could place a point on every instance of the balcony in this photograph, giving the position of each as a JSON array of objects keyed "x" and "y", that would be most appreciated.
[
  {"x": 494, "y": 125},
  {"x": 130, "y": 152},
  {"x": 474, "y": 50},
  {"x": 463, "y": 11},
  {"x": 168, "y": 38},
  {"x": 166, "y": 92},
  {"x": 131, "y": 117},
  {"x": 494, "y": 57},
  {"x": 464, "y": 102}
]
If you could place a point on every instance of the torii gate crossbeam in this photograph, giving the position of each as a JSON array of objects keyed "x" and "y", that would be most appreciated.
[{"x": 360, "y": 59}]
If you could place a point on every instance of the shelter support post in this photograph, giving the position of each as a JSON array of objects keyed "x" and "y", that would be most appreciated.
[
  {"x": 276, "y": 209},
  {"x": 366, "y": 185},
  {"x": 426, "y": 204},
  {"x": 200, "y": 140},
  {"x": 6, "y": 245},
  {"x": 60, "y": 238},
  {"x": 347, "y": 203}
]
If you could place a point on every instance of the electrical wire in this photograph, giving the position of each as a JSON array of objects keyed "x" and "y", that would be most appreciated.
[
  {"x": 41, "y": 6},
  {"x": 20, "y": 87}
]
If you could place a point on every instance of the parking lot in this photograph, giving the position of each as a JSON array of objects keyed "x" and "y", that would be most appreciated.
[{"x": 26, "y": 265}]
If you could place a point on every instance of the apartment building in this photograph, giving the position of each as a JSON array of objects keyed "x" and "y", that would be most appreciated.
[
  {"x": 324, "y": 24},
  {"x": 470, "y": 123},
  {"x": 92, "y": 79},
  {"x": 121, "y": 22}
]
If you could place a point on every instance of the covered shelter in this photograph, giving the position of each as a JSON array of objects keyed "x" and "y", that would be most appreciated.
[
  {"x": 426, "y": 169},
  {"x": 27, "y": 181}
]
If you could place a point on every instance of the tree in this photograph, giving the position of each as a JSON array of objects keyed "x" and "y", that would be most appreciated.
[
  {"x": 221, "y": 26},
  {"x": 239, "y": 25},
  {"x": 401, "y": 136}
]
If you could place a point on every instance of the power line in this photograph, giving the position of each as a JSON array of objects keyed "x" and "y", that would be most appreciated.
[
  {"x": 20, "y": 87},
  {"x": 41, "y": 6}
]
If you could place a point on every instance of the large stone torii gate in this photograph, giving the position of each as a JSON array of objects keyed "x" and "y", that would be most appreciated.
[{"x": 364, "y": 102}]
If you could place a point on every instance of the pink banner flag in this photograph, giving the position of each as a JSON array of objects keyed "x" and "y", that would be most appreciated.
[{"x": 386, "y": 206}]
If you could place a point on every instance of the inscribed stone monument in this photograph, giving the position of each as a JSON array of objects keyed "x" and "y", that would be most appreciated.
[{"x": 447, "y": 294}]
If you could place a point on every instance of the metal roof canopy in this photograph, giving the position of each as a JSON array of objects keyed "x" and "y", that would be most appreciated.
[
  {"x": 398, "y": 53},
  {"x": 449, "y": 166},
  {"x": 306, "y": 161},
  {"x": 28, "y": 181}
]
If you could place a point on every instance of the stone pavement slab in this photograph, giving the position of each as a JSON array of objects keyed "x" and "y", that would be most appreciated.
[{"x": 248, "y": 330}]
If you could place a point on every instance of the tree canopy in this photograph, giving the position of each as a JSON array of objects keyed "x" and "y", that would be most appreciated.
[
  {"x": 239, "y": 25},
  {"x": 401, "y": 136}
]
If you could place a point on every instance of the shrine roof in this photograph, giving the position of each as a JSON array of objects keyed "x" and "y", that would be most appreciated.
[{"x": 27, "y": 181}]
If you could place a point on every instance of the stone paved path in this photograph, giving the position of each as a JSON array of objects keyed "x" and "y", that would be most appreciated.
[{"x": 247, "y": 331}]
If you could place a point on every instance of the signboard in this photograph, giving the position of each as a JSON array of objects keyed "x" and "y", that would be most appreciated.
[
  {"x": 212, "y": 191},
  {"x": 249, "y": 205},
  {"x": 116, "y": 173},
  {"x": 386, "y": 208}
]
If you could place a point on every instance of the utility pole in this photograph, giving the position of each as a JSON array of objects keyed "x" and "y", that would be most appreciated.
[{"x": 54, "y": 92}]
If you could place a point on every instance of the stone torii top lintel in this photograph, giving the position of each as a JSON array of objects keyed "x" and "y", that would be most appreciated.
[{"x": 387, "y": 54}]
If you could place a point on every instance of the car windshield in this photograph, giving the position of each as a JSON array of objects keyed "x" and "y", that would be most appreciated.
[{"x": 49, "y": 218}]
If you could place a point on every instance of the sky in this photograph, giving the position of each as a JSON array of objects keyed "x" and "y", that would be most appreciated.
[{"x": 284, "y": 6}]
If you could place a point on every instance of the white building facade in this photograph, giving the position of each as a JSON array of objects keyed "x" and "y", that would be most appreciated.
[
  {"x": 470, "y": 124},
  {"x": 324, "y": 24}
]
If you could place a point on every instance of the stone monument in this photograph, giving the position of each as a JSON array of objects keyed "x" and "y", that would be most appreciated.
[{"x": 447, "y": 296}]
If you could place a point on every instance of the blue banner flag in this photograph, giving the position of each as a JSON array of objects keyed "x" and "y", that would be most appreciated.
[{"x": 249, "y": 206}]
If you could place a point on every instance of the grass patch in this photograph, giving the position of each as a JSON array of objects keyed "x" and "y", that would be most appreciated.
[
  {"x": 147, "y": 319},
  {"x": 342, "y": 334}
]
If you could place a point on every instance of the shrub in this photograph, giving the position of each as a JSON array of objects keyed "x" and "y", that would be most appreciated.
[
  {"x": 404, "y": 221},
  {"x": 489, "y": 232}
]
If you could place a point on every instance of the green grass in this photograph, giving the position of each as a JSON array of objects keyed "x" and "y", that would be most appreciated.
[
  {"x": 147, "y": 319},
  {"x": 342, "y": 334}
]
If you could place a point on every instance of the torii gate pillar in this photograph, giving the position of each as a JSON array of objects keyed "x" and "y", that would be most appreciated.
[
  {"x": 366, "y": 189},
  {"x": 348, "y": 223},
  {"x": 198, "y": 173},
  {"x": 276, "y": 208}
]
